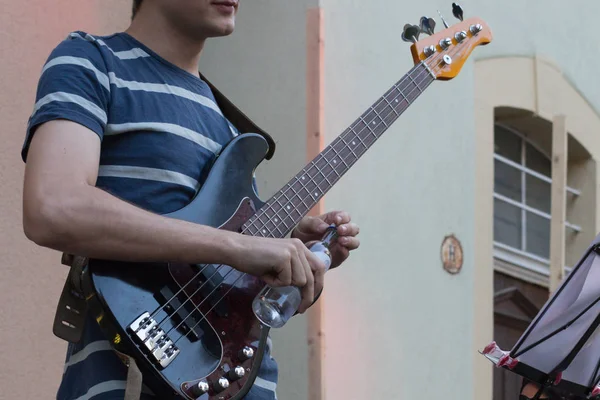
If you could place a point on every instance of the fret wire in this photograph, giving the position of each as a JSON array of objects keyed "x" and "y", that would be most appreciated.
[
  {"x": 322, "y": 174},
  {"x": 276, "y": 215},
  {"x": 287, "y": 207},
  {"x": 341, "y": 158},
  {"x": 276, "y": 219},
  {"x": 279, "y": 230},
  {"x": 332, "y": 169},
  {"x": 402, "y": 94},
  {"x": 415, "y": 83},
  {"x": 392, "y": 115},
  {"x": 253, "y": 224},
  {"x": 304, "y": 177},
  {"x": 265, "y": 228},
  {"x": 357, "y": 136},
  {"x": 328, "y": 163},
  {"x": 379, "y": 116},
  {"x": 316, "y": 185},
  {"x": 290, "y": 185},
  {"x": 250, "y": 230},
  {"x": 277, "y": 200},
  {"x": 392, "y": 107},
  {"x": 368, "y": 127},
  {"x": 350, "y": 148},
  {"x": 297, "y": 194}
]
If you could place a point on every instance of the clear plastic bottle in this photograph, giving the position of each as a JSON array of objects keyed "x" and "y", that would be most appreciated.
[{"x": 274, "y": 306}]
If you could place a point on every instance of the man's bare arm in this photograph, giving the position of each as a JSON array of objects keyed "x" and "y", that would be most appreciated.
[{"x": 63, "y": 210}]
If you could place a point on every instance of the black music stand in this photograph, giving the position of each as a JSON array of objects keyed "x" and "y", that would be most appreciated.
[{"x": 560, "y": 349}]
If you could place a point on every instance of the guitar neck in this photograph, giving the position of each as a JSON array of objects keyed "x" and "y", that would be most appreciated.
[{"x": 286, "y": 208}]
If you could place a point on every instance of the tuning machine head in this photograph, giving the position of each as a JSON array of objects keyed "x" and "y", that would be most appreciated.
[
  {"x": 411, "y": 33},
  {"x": 427, "y": 25},
  {"x": 457, "y": 11}
]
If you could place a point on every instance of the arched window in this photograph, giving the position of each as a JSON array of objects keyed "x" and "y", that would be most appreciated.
[{"x": 522, "y": 193}]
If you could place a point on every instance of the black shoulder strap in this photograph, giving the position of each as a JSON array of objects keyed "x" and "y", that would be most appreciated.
[{"x": 239, "y": 119}]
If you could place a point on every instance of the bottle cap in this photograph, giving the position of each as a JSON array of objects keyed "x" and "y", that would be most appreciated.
[{"x": 330, "y": 235}]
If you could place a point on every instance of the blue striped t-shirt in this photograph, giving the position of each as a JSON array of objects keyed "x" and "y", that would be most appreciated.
[{"x": 160, "y": 130}]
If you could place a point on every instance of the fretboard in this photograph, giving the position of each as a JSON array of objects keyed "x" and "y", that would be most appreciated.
[{"x": 287, "y": 207}]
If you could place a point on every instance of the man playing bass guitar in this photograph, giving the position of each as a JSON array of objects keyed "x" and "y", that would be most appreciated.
[{"x": 125, "y": 129}]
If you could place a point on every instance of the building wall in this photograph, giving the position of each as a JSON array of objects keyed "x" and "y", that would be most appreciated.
[
  {"x": 32, "y": 278},
  {"x": 396, "y": 324}
]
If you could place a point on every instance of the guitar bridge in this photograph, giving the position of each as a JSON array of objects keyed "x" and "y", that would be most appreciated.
[{"x": 154, "y": 340}]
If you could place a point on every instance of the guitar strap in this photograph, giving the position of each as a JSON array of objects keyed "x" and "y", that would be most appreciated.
[{"x": 71, "y": 311}]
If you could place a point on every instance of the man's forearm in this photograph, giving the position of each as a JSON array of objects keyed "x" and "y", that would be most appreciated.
[{"x": 95, "y": 224}]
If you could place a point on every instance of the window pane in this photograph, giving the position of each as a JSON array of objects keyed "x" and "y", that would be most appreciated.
[
  {"x": 507, "y": 224},
  {"x": 537, "y": 193},
  {"x": 507, "y": 181},
  {"x": 537, "y": 161},
  {"x": 538, "y": 235},
  {"x": 507, "y": 144}
]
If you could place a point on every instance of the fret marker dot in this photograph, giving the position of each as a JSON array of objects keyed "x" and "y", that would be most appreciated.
[
  {"x": 353, "y": 143},
  {"x": 316, "y": 194},
  {"x": 303, "y": 178},
  {"x": 335, "y": 161},
  {"x": 396, "y": 100},
  {"x": 373, "y": 122},
  {"x": 264, "y": 231},
  {"x": 288, "y": 207},
  {"x": 276, "y": 220}
]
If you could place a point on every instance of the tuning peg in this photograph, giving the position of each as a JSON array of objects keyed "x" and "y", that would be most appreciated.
[
  {"x": 411, "y": 33},
  {"x": 457, "y": 11},
  {"x": 443, "y": 20},
  {"x": 427, "y": 25}
]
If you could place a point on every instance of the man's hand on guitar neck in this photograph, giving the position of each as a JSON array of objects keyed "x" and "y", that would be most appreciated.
[{"x": 285, "y": 262}]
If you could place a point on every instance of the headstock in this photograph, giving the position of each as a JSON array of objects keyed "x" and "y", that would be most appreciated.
[{"x": 446, "y": 52}]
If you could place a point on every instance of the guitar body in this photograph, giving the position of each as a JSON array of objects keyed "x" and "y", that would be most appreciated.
[{"x": 210, "y": 336}]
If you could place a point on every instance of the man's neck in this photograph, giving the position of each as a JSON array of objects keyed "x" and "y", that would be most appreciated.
[{"x": 154, "y": 31}]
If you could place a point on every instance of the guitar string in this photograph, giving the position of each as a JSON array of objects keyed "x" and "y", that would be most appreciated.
[
  {"x": 159, "y": 324},
  {"x": 396, "y": 87},
  {"x": 204, "y": 315}
]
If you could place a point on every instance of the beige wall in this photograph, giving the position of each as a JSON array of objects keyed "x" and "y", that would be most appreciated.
[
  {"x": 397, "y": 326},
  {"x": 31, "y": 360}
]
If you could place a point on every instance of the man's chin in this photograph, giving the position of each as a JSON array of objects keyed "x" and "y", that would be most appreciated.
[{"x": 223, "y": 29}]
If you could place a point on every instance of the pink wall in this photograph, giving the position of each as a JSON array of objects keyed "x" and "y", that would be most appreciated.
[{"x": 31, "y": 278}]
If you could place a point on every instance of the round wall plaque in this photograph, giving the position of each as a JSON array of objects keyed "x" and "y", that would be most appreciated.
[{"x": 452, "y": 254}]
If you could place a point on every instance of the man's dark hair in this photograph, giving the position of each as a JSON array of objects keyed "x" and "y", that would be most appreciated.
[{"x": 136, "y": 7}]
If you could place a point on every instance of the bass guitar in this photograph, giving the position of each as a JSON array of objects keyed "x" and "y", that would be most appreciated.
[{"x": 191, "y": 328}]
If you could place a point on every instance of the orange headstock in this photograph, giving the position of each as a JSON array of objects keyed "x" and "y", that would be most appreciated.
[{"x": 446, "y": 52}]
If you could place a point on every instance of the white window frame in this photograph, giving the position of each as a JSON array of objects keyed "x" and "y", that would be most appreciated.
[{"x": 509, "y": 256}]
